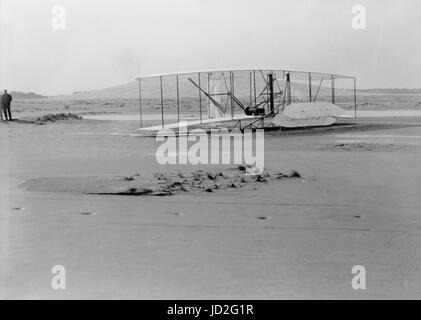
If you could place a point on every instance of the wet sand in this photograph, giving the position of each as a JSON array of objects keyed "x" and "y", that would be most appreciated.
[{"x": 354, "y": 205}]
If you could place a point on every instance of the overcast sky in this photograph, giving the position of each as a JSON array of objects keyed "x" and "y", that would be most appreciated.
[{"x": 109, "y": 42}]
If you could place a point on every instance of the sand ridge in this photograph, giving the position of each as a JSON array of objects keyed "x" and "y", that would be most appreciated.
[{"x": 161, "y": 184}]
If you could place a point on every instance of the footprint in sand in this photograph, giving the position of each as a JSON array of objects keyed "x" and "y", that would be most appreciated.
[
  {"x": 87, "y": 213},
  {"x": 263, "y": 218}
]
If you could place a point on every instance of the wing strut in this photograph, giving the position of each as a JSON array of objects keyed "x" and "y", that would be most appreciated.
[
  {"x": 238, "y": 102},
  {"x": 216, "y": 103}
]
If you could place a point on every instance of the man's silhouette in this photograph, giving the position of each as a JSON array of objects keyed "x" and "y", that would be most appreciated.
[{"x": 6, "y": 99}]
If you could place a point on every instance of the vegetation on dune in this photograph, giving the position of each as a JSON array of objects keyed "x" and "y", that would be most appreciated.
[{"x": 56, "y": 117}]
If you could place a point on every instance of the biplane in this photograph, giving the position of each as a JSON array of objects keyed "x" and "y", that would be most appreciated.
[{"x": 248, "y": 99}]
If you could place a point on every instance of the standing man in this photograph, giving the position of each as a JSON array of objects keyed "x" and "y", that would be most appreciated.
[{"x": 6, "y": 99}]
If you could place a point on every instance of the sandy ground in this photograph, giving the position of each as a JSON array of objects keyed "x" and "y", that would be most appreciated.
[{"x": 357, "y": 203}]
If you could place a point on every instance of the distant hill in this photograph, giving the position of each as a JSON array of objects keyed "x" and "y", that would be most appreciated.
[
  {"x": 26, "y": 95},
  {"x": 151, "y": 90},
  {"x": 392, "y": 91}
]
